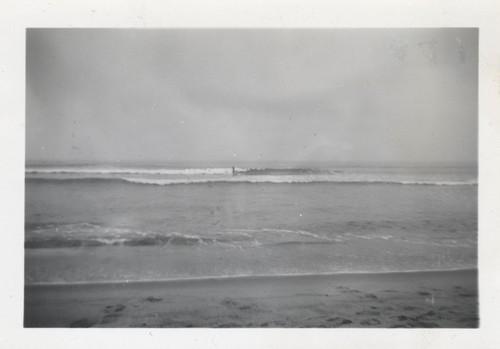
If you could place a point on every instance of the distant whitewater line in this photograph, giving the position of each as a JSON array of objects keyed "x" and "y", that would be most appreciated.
[
  {"x": 152, "y": 171},
  {"x": 179, "y": 171},
  {"x": 285, "y": 180},
  {"x": 253, "y": 180},
  {"x": 208, "y": 175}
]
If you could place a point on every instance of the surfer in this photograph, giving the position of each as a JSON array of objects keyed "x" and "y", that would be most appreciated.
[{"x": 234, "y": 172}]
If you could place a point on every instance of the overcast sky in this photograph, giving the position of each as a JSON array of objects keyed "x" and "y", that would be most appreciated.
[{"x": 367, "y": 95}]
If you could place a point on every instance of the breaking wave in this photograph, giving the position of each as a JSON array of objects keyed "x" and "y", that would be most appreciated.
[
  {"x": 148, "y": 171},
  {"x": 178, "y": 176},
  {"x": 93, "y": 235},
  {"x": 287, "y": 180},
  {"x": 252, "y": 180}
]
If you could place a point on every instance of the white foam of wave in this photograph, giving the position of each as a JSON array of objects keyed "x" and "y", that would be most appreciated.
[
  {"x": 297, "y": 232},
  {"x": 252, "y": 232},
  {"x": 285, "y": 180},
  {"x": 85, "y": 230},
  {"x": 236, "y": 232},
  {"x": 119, "y": 236},
  {"x": 371, "y": 237},
  {"x": 414, "y": 241},
  {"x": 150, "y": 171},
  {"x": 466, "y": 182}
]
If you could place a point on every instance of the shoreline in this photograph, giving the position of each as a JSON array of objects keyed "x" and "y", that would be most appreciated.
[
  {"x": 243, "y": 276},
  {"x": 418, "y": 299}
]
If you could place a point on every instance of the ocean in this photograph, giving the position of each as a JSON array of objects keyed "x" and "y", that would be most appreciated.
[{"x": 104, "y": 223}]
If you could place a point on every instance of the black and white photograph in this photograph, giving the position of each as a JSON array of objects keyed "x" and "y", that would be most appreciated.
[{"x": 251, "y": 178}]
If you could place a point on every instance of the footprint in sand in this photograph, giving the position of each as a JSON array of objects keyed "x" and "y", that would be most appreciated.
[
  {"x": 338, "y": 321},
  {"x": 409, "y": 307},
  {"x": 233, "y": 304},
  {"x": 404, "y": 318},
  {"x": 152, "y": 299},
  {"x": 277, "y": 323},
  {"x": 469, "y": 319},
  {"x": 467, "y": 295},
  {"x": 344, "y": 289},
  {"x": 416, "y": 321},
  {"x": 83, "y": 323},
  {"x": 228, "y": 325},
  {"x": 430, "y": 315},
  {"x": 351, "y": 291},
  {"x": 423, "y": 324},
  {"x": 370, "y": 322},
  {"x": 112, "y": 313},
  {"x": 368, "y": 312}
]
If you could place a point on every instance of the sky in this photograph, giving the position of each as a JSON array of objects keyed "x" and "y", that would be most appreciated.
[{"x": 251, "y": 95}]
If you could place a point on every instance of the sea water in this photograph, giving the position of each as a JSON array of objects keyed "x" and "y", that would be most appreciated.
[{"x": 98, "y": 223}]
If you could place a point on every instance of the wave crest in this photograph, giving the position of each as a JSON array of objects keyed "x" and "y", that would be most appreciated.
[
  {"x": 150, "y": 171},
  {"x": 287, "y": 180},
  {"x": 249, "y": 180}
]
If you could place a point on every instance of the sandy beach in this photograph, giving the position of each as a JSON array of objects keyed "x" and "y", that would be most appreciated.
[{"x": 447, "y": 299}]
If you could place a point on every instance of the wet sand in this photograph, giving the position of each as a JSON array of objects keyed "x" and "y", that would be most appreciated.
[{"x": 447, "y": 299}]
